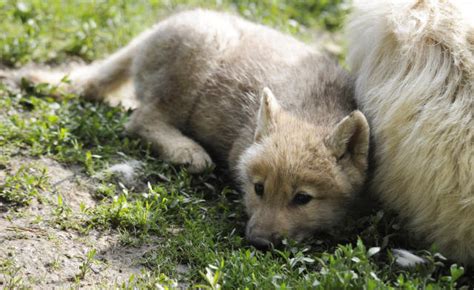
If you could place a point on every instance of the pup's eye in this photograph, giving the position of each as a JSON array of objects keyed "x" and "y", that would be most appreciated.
[
  {"x": 259, "y": 189},
  {"x": 301, "y": 199}
]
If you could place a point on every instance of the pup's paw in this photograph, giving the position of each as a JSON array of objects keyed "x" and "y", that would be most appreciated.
[
  {"x": 87, "y": 89},
  {"x": 195, "y": 157}
]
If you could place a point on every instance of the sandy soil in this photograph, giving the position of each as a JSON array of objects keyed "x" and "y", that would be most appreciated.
[{"x": 34, "y": 249}]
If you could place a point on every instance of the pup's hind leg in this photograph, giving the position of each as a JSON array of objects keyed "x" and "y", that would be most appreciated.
[
  {"x": 153, "y": 126},
  {"x": 95, "y": 81}
]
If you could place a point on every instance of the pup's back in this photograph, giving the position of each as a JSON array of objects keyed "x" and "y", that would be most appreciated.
[
  {"x": 213, "y": 66},
  {"x": 415, "y": 80}
]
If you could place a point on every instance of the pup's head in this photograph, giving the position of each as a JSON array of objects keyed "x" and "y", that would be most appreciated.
[{"x": 298, "y": 177}]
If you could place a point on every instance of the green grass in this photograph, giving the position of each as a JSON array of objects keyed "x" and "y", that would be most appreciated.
[
  {"x": 197, "y": 222},
  {"x": 21, "y": 187},
  {"x": 52, "y": 31}
]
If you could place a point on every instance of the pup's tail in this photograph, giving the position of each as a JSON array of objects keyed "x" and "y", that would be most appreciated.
[{"x": 100, "y": 80}]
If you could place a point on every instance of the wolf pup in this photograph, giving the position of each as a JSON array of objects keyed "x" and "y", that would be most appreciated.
[
  {"x": 414, "y": 61},
  {"x": 298, "y": 147}
]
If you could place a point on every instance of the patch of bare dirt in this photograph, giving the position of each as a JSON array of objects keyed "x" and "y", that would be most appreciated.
[{"x": 42, "y": 255}]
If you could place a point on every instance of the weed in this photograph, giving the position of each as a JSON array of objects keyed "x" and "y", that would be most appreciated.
[
  {"x": 11, "y": 276},
  {"x": 54, "y": 265},
  {"x": 86, "y": 265},
  {"x": 24, "y": 185},
  {"x": 212, "y": 277},
  {"x": 63, "y": 216}
]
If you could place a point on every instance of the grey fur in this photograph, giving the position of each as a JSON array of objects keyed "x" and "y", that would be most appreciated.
[
  {"x": 206, "y": 80},
  {"x": 199, "y": 76}
]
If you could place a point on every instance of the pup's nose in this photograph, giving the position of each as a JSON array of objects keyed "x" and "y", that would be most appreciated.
[
  {"x": 260, "y": 243},
  {"x": 265, "y": 243}
]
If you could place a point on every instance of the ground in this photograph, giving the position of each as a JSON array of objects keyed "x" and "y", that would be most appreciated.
[{"x": 83, "y": 205}]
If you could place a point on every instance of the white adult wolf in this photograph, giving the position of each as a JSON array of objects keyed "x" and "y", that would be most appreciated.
[{"x": 415, "y": 80}]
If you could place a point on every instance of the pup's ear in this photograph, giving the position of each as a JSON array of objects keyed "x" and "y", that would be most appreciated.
[
  {"x": 350, "y": 138},
  {"x": 269, "y": 108}
]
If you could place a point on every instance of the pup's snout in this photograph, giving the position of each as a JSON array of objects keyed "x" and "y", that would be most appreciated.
[{"x": 264, "y": 230}]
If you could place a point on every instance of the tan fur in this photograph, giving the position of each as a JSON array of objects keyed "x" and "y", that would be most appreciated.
[
  {"x": 288, "y": 161},
  {"x": 199, "y": 77},
  {"x": 414, "y": 62}
]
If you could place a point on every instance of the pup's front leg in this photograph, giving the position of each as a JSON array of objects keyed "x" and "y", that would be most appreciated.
[{"x": 153, "y": 126}]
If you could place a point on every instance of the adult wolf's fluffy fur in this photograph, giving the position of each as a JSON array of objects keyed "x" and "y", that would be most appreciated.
[{"x": 415, "y": 77}]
